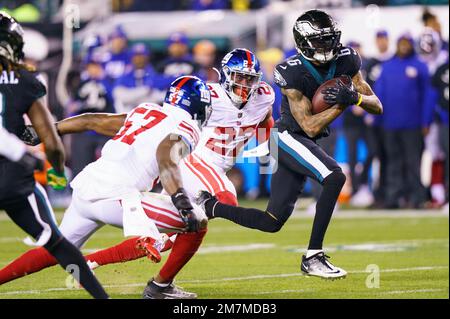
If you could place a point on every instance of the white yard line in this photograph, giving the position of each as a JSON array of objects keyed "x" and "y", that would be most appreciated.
[
  {"x": 403, "y": 269},
  {"x": 395, "y": 292},
  {"x": 281, "y": 291},
  {"x": 17, "y": 292},
  {"x": 300, "y": 274},
  {"x": 376, "y": 246},
  {"x": 369, "y": 214},
  {"x": 233, "y": 248},
  {"x": 212, "y": 249},
  {"x": 392, "y": 292}
]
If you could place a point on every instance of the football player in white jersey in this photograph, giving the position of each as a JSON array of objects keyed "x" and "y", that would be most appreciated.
[
  {"x": 148, "y": 146},
  {"x": 241, "y": 107}
]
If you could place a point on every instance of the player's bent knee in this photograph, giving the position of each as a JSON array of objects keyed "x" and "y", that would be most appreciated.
[
  {"x": 227, "y": 198},
  {"x": 271, "y": 225},
  {"x": 335, "y": 178},
  {"x": 274, "y": 228},
  {"x": 55, "y": 239}
]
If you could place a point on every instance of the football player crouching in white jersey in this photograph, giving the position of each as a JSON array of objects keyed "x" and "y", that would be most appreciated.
[
  {"x": 241, "y": 107},
  {"x": 151, "y": 141}
]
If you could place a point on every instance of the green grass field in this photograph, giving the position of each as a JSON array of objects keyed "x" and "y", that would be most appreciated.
[{"x": 410, "y": 249}]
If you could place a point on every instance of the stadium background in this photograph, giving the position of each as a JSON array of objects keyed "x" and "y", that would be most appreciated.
[
  {"x": 68, "y": 58},
  {"x": 208, "y": 29}
]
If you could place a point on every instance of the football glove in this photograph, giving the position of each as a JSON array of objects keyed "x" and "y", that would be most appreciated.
[
  {"x": 185, "y": 209},
  {"x": 341, "y": 94},
  {"x": 30, "y": 137},
  {"x": 57, "y": 181}
]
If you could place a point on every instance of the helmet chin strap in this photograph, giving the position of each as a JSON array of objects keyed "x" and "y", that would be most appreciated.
[
  {"x": 218, "y": 73},
  {"x": 317, "y": 57},
  {"x": 237, "y": 101},
  {"x": 303, "y": 55},
  {"x": 228, "y": 88}
]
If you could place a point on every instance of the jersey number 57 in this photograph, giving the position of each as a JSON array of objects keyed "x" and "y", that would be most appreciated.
[{"x": 139, "y": 121}]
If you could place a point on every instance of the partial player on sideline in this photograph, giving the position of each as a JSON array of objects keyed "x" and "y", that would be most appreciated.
[{"x": 24, "y": 201}]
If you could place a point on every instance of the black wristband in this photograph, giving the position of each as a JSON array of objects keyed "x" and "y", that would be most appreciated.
[{"x": 180, "y": 200}]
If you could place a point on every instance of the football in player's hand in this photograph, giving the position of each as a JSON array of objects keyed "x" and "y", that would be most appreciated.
[{"x": 318, "y": 101}]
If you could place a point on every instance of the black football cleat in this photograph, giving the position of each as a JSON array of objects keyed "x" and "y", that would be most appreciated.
[
  {"x": 202, "y": 198},
  {"x": 153, "y": 291},
  {"x": 319, "y": 266}
]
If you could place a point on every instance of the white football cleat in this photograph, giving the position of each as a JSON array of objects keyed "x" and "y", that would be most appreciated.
[{"x": 319, "y": 266}]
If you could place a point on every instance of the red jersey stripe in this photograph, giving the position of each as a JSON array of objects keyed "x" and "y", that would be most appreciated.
[
  {"x": 189, "y": 127},
  {"x": 200, "y": 177},
  {"x": 213, "y": 171},
  {"x": 174, "y": 214},
  {"x": 249, "y": 59},
  {"x": 177, "y": 89},
  {"x": 162, "y": 219}
]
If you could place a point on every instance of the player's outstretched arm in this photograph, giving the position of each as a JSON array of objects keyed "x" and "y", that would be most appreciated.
[
  {"x": 103, "y": 123},
  {"x": 369, "y": 101},
  {"x": 43, "y": 123},
  {"x": 301, "y": 106}
]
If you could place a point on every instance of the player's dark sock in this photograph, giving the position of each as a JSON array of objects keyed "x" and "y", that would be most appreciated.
[
  {"x": 332, "y": 186},
  {"x": 247, "y": 217},
  {"x": 66, "y": 254}
]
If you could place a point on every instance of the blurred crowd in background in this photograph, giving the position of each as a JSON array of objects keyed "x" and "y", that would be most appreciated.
[
  {"x": 383, "y": 156},
  {"x": 33, "y": 11}
]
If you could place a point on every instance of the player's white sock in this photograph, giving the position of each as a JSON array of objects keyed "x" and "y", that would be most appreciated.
[
  {"x": 312, "y": 252},
  {"x": 92, "y": 264},
  {"x": 160, "y": 284}
]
